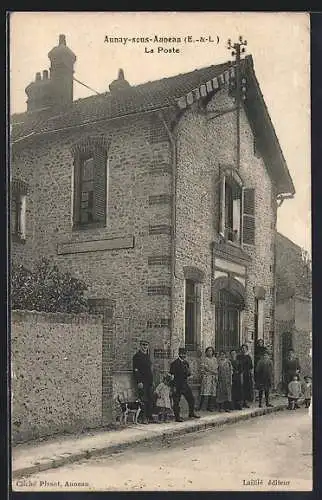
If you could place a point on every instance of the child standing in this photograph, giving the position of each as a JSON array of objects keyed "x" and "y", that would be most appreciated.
[
  {"x": 163, "y": 402},
  {"x": 307, "y": 391},
  {"x": 294, "y": 393}
]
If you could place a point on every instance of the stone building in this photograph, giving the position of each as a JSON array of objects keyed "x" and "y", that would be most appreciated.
[
  {"x": 137, "y": 191},
  {"x": 293, "y": 306}
]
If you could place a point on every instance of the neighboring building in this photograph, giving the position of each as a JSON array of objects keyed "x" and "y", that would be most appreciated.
[
  {"x": 137, "y": 192},
  {"x": 293, "y": 305}
]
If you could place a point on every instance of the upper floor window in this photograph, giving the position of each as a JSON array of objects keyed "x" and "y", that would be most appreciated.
[
  {"x": 233, "y": 204},
  {"x": 90, "y": 188},
  {"x": 237, "y": 210},
  {"x": 18, "y": 210}
]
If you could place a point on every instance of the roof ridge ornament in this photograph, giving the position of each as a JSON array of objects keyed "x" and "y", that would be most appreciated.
[
  {"x": 206, "y": 88},
  {"x": 120, "y": 83}
]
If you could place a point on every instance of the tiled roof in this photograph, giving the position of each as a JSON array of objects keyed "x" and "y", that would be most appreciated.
[
  {"x": 144, "y": 97},
  {"x": 152, "y": 96}
]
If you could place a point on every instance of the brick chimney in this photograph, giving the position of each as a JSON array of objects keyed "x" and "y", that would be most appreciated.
[
  {"x": 62, "y": 61},
  {"x": 39, "y": 92},
  {"x": 56, "y": 89}
]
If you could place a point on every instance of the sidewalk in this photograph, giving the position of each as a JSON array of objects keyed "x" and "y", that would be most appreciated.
[{"x": 30, "y": 458}]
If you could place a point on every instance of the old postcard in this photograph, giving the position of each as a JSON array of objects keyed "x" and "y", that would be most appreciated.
[{"x": 160, "y": 251}]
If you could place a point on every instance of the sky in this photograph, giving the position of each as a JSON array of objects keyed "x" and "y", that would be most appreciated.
[{"x": 278, "y": 42}]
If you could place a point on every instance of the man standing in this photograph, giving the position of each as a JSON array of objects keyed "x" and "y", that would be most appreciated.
[
  {"x": 180, "y": 370},
  {"x": 144, "y": 378},
  {"x": 264, "y": 378}
]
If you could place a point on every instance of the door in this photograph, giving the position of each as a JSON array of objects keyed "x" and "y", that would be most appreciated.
[{"x": 227, "y": 312}]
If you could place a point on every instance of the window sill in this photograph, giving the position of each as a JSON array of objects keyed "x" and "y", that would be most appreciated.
[
  {"x": 16, "y": 238},
  {"x": 86, "y": 227},
  {"x": 234, "y": 243}
]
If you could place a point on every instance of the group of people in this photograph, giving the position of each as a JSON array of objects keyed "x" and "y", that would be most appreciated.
[
  {"x": 294, "y": 387},
  {"x": 165, "y": 399},
  {"x": 227, "y": 382}
]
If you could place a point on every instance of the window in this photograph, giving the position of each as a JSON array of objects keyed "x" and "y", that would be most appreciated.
[
  {"x": 18, "y": 210},
  {"x": 231, "y": 207},
  {"x": 237, "y": 210},
  {"x": 90, "y": 189},
  {"x": 233, "y": 197},
  {"x": 192, "y": 313},
  {"x": 87, "y": 191}
]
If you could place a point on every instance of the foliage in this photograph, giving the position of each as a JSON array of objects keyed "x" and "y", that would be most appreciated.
[{"x": 47, "y": 289}]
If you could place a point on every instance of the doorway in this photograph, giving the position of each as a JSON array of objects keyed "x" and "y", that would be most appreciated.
[{"x": 227, "y": 320}]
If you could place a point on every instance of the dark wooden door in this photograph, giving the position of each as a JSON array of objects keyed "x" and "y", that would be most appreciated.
[{"x": 227, "y": 334}]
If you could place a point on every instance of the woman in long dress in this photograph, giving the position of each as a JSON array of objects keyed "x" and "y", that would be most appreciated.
[
  {"x": 246, "y": 363},
  {"x": 209, "y": 379},
  {"x": 225, "y": 372},
  {"x": 236, "y": 389}
]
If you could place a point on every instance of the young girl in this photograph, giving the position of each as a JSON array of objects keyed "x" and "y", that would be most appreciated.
[
  {"x": 208, "y": 387},
  {"x": 163, "y": 402},
  {"x": 225, "y": 372}
]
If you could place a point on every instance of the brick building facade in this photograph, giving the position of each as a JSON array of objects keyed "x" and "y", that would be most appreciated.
[{"x": 137, "y": 192}]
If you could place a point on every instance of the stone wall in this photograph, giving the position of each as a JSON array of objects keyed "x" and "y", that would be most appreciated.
[
  {"x": 302, "y": 338},
  {"x": 294, "y": 316},
  {"x": 56, "y": 373}
]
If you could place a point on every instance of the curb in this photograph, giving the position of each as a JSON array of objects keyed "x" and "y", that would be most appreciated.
[{"x": 195, "y": 426}]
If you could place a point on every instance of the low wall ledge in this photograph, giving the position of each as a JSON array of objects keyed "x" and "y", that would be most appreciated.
[{"x": 20, "y": 316}]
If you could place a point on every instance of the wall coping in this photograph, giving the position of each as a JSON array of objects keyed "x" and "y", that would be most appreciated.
[{"x": 20, "y": 316}]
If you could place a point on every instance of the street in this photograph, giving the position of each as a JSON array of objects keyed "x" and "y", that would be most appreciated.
[{"x": 272, "y": 452}]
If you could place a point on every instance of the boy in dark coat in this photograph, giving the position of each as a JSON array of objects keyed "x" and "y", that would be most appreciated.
[
  {"x": 264, "y": 378},
  {"x": 144, "y": 378},
  {"x": 180, "y": 371}
]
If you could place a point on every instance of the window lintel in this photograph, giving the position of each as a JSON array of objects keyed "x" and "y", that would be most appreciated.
[
  {"x": 230, "y": 172},
  {"x": 194, "y": 274}
]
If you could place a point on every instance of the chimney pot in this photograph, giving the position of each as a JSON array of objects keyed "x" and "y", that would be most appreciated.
[
  {"x": 45, "y": 74},
  {"x": 62, "y": 40},
  {"x": 38, "y": 76}
]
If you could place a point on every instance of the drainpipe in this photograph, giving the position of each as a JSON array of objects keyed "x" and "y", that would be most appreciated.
[
  {"x": 276, "y": 338},
  {"x": 173, "y": 220}
]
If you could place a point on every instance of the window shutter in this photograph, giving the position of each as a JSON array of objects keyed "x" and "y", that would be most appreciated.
[
  {"x": 249, "y": 216},
  {"x": 222, "y": 189},
  {"x": 100, "y": 159},
  {"x": 77, "y": 181}
]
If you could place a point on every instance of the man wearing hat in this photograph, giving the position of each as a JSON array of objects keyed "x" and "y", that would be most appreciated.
[
  {"x": 180, "y": 370},
  {"x": 144, "y": 378}
]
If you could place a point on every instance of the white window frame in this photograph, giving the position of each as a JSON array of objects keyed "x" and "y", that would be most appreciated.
[{"x": 231, "y": 173}]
